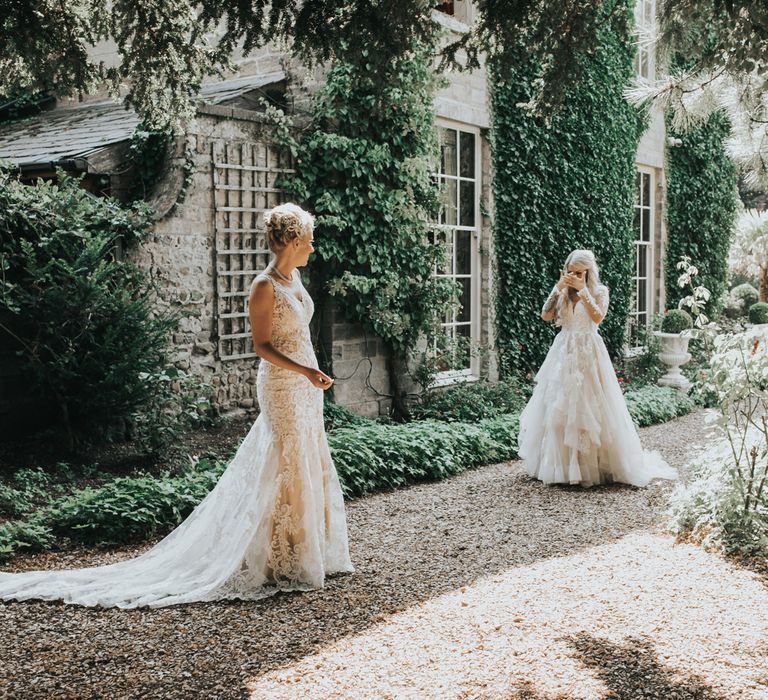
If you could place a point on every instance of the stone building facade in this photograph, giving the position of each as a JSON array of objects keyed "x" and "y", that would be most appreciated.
[{"x": 207, "y": 249}]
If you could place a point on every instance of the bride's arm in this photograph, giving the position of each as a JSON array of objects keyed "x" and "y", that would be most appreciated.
[
  {"x": 596, "y": 308},
  {"x": 261, "y": 304}
]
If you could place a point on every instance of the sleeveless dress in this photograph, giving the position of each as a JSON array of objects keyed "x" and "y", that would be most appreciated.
[
  {"x": 576, "y": 428},
  {"x": 275, "y": 520}
]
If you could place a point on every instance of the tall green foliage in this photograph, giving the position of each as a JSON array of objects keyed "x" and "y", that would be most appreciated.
[
  {"x": 364, "y": 167},
  {"x": 560, "y": 186},
  {"x": 88, "y": 340},
  {"x": 701, "y": 208}
]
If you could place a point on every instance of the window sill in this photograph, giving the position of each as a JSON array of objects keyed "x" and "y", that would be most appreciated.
[
  {"x": 452, "y": 377},
  {"x": 450, "y": 22}
]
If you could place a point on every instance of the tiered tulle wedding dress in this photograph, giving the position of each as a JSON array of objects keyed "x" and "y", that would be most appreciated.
[
  {"x": 576, "y": 428},
  {"x": 275, "y": 520}
]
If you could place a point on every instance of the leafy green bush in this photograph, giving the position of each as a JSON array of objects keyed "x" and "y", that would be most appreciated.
[
  {"x": 676, "y": 321},
  {"x": 336, "y": 416},
  {"x": 656, "y": 404},
  {"x": 473, "y": 401},
  {"x": 25, "y": 535},
  {"x": 643, "y": 366},
  {"x": 740, "y": 298},
  {"x": 384, "y": 457},
  {"x": 758, "y": 313},
  {"x": 132, "y": 508},
  {"x": 13, "y": 502},
  {"x": 87, "y": 336}
]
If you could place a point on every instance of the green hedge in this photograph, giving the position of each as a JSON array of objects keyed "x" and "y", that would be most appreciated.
[
  {"x": 656, "y": 404},
  {"x": 701, "y": 206},
  {"x": 385, "y": 457},
  {"x": 473, "y": 402},
  {"x": 560, "y": 186}
]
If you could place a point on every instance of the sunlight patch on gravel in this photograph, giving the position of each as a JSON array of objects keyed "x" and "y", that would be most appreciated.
[{"x": 641, "y": 617}]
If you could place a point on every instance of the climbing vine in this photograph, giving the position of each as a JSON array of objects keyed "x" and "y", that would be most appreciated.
[
  {"x": 151, "y": 153},
  {"x": 701, "y": 207},
  {"x": 364, "y": 167},
  {"x": 561, "y": 185}
]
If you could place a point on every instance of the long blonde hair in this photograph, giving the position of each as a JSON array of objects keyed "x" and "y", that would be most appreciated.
[{"x": 586, "y": 259}]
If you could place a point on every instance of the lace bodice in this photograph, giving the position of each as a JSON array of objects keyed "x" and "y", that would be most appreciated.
[
  {"x": 574, "y": 318},
  {"x": 290, "y": 321}
]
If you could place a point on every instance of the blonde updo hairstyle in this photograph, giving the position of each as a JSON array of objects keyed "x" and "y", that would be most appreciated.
[
  {"x": 585, "y": 259},
  {"x": 285, "y": 223}
]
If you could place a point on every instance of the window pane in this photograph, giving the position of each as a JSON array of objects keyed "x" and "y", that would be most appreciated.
[
  {"x": 463, "y": 252},
  {"x": 441, "y": 239},
  {"x": 648, "y": 12},
  {"x": 465, "y": 299},
  {"x": 636, "y": 223},
  {"x": 449, "y": 203},
  {"x": 646, "y": 190},
  {"x": 467, "y": 154},
  {"x": 642, "y": 302},
  {"x": 448, "y": 151},
  {"x": 637, "y": 188},
  {"x": 642, "y": 261},
  {"x": 449, "y": 246},
  {"x": 467, "y": 213},
  {"x": 646, "y": 229}
]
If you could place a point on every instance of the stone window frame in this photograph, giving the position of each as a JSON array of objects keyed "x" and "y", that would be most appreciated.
[
  {"x": 472, "y": 372},
  {"x": 645, "y": 251}
]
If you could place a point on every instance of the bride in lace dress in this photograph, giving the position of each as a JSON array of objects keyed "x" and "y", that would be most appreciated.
[
  {"x": 576, "y": 428},
  {"x": 275, "y": 521}
]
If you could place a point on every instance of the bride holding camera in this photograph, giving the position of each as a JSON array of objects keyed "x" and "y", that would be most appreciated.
[{"x": 576, "y": 428}]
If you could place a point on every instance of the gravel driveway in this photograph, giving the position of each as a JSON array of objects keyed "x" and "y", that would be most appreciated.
[{"x": 487, "y": 585}]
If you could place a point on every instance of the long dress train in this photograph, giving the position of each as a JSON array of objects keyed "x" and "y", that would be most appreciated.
[
  {"x": 274, "y": 521},
  {"x": 576, "y": 428}
]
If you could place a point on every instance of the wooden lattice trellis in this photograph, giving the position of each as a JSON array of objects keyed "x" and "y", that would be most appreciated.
[{"x": 244, "y": 176}]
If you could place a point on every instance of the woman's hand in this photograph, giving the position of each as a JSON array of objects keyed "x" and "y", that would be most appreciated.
[
  {"x": 319, "y": 379},
  {"x": 575, "y": 281},
  {"x": 562, "y": 283}
]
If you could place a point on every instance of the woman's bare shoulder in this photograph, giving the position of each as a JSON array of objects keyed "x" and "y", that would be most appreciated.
[{"x": 261, "y": 288}]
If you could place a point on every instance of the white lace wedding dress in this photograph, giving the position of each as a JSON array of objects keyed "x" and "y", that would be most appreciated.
[
  {"x": 274, "y": 522},
  {"x": 576, "y": 428}
]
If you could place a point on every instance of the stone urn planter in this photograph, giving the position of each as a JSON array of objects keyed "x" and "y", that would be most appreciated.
[{"x": 674, "y": 353}]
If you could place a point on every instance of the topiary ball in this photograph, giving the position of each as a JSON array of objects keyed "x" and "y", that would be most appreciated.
[
  {"x": 758, "y": 313},
  {"x": 745, "y": 294},
  {"x": 676, "y": 321}
]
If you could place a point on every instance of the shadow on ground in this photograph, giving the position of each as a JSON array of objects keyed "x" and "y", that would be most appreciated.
[{"x": 632, "y": 671}]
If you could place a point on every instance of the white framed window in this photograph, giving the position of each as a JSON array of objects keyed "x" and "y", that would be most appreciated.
[
  {"x": 458, "y": 229},
  {"x": 645, "y": 21},
  {"x": 641, "y": 310}
]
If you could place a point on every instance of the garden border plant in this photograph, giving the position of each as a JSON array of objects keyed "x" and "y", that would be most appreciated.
[{"x": 369, "y": 456}]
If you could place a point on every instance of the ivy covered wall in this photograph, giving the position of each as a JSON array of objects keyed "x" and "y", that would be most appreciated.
[
  {"x": 560, "y": 186},
  {"x": 701, "y": 205}
]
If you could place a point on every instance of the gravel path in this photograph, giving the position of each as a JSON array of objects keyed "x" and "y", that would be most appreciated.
[{"x": 488, "y": 585}]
